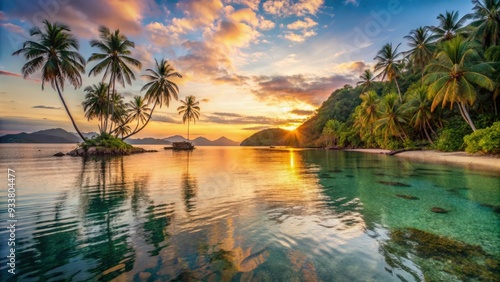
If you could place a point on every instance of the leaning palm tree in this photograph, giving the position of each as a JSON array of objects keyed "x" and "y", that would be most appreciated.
[
  {"x": 421, "y": 47},
  {"x": 388, "y": 64},
  {"x": 367, "y": 79},
  {"x": 368, "y": 113},
  {"x": 96, "y": 103},
  {"x": 114, "y": 60},
  {"x": 486, "y": 20},
  {"x": 449, "y": 26},
  {"x": 190, "y": 110},
  {"x": 454, "y": 74},
  {"x": 160, "y": 88},
  {"x": 137, "y": 109},
  {"x": 55, "y": 53}
]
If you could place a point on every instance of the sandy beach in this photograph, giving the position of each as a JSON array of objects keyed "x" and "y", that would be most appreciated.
[{"x": 449, "y": 158}]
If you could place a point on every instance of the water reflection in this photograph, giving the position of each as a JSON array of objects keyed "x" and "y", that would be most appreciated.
[
  {"x": 254, "y": 214},
  {"x": 189, "y": 185}
]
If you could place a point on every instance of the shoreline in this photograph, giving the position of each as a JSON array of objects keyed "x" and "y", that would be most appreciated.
[{"x": 461, "y": 159}]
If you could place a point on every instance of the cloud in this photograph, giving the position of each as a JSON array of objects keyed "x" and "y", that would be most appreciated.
[
  {"x": 352, "y": 2},
  {"x": 252, "y": 4},
  {"x": 288, "y": 61},
  {"x": 10, "y": 73},
  {"x": 205, "y": 100},
  {"x": 352, "y": 67},
  {"x": 302, "y": 112},
  {"x": 288, "y": 8},
  {"x": 228, "y": 118},
  {"x": 305, "y": 24},
  {"x": 294, "y": 37},
  {"x": 13, "y": 28},
  {"x": 125, "y": 15},
  {"x": 164, "y": 119},
  {"x": 3, "y": 17},
  {"x": 260, "y": 127},
  {"x": 250, "y": 17},
  {"x": 312, "y": 90},
  {"x": 233, "y": 79},
  {"x": 227, "y": 114},
  {"x": 198, "y": 14},
  {"x": 46, "y": 107},
  {"x": 204, "y": 61}
]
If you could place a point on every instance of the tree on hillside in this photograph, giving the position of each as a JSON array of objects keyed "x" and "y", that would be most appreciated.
[
  {"x": 486, "y": 20},
  {"x": 449, "y": 26},
  {"x": 392, "y": 117},
  {"x": 366, "y": 79},
  {"x": 421, "y": 48},
  {"x": 454, "y": 74},
  {"x": 388, "y": 64}
]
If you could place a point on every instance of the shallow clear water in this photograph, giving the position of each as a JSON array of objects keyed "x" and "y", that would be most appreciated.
[{"x": 246, "y": 214}]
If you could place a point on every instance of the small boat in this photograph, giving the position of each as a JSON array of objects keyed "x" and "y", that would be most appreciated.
[
  {"x": 184, "y": 145},
  {"x": 272, "y": 147}
]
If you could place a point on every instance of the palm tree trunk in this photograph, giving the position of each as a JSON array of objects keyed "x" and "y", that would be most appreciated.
[
  {"x": 112, "y": 105},
  {"x": 149, "y": 118},
  {"x": 427, "y": 134},
  {"x": 67, "y": 111},
  {"x": 467, "y": 116},
  {"x": 188, "y": 130},
  {"x": 399, "y": 91}
]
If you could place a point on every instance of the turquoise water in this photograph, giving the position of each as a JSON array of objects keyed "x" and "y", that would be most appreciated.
[{"x": 248, "y": 214}]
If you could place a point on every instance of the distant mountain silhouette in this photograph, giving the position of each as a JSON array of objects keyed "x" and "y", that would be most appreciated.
[
  {"x": 59, "y": 135},
  {"x": 56, "y": 135},
  {"x": 175, "y": 138},
  {"x": 147, "y": 141}
]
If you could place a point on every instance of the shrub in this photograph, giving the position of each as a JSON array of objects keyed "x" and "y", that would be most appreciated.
[
  {"x": 451, "y": 139},
  {"x": 106, "y": 141},
  {"x": 485, "y": 140}
]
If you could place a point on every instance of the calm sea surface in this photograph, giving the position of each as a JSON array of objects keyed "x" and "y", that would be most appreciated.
[{"x": 247, "y": 214}]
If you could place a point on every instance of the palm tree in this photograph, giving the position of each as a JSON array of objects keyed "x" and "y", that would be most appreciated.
[
  {"x": 421, "y": 48},
  {"x": 455, "y": 72},
  {"x": 449, "y": 26},
  {"x": 114, "y": 61},
  {"x": 189, "y": 110},
  {"x": 388, "y": 64},
  {"x": 55, "y": 53},
  {"x": 487, "y": 22},
  {"x": 493, "y": 54},
  {"x": 368, "y": 109},
  {"x": 96, "y": 103},
  {"x": 160, "y": 89},
  {"x": 137, "y": 109},
  {"x": 418, "y": 109},
  {"x": 392, "y": 117},
  {"x": 367, "y": 79}
]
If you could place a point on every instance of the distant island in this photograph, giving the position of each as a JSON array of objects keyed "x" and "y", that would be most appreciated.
[{"x": 59, "y": 135}]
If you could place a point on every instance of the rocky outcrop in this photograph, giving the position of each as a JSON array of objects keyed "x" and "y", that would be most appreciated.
[{"x": 103, "y": 151}]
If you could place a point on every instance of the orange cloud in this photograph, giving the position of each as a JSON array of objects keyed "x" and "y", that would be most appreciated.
[
  {"x": 311, "y": 90},
  {"x": 299, "y": 37},
  {"x": 125, "y": 15},
  {"x": 250, "y": 17},
  {"x": 307, "y": 23},
  {"x": 12, "y": 28},
  {"x": 288, "y": 8}
]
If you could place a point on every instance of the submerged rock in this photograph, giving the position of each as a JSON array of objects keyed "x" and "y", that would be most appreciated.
[
  {"x": 467, "y": 262},
  {"x": 397, "y": 184},
  {"x": 438, "y": 210},
  {"x": 408, "y": 197},
  {"x": 60, "y": 154}
]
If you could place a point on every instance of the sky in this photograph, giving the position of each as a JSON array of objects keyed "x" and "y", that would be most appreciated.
[{"x": 252, "y": 64}]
